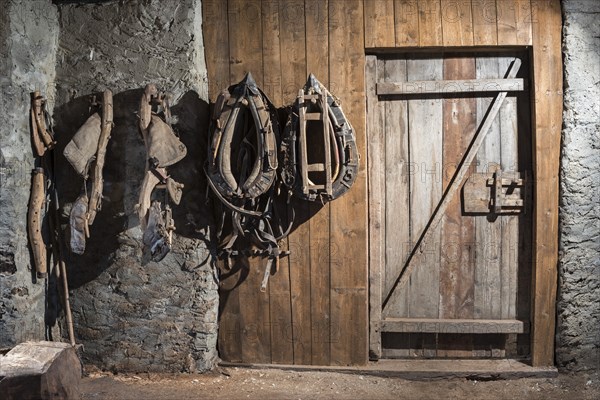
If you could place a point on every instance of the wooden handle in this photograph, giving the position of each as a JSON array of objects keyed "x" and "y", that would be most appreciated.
[
  {"x": 146, "y": 109},
  {"x": 36, "y": 204},
  {"x": 97, "y": 181},
  {"x": 38, "y": 146},
  {"x": 40, "y": 121}
]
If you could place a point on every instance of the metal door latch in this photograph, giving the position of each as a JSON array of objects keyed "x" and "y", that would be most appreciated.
[{"x": 498, "y": 192}]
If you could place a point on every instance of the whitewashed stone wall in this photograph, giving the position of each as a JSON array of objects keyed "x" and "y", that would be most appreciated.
[{"x": 578, "y": 328}]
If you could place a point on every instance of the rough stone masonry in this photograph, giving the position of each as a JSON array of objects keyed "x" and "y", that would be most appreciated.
[
  {"x": 578, "y": 325},
  {"x": 130, "y": 313},
  {"x": 28, "y": 42}
]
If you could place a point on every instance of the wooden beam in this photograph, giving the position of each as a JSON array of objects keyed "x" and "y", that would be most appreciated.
[
  {"x": 280, "y": 306},
  {"x": 376, "y": 186},
  {"x": 348, "y": 221},
  {"x": 427, "y": 369},
  {"x": 317, "y": 62},
  {"x": 548, "y": 102},
  {"x": 463, "y": 326},
  {"x": 292, "y": 39},
  {"x": 451, "y": 86},
  {"x": 40, "y": 370}
]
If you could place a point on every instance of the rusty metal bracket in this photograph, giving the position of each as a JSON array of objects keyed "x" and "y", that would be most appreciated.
[{"x": 499, "y": 192}]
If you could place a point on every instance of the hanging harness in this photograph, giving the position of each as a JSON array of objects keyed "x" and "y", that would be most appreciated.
[
  {"x": 163, "y": 149},
  {"x": 86, "y": 152},
  {"x": 243, "y": 153},
  {"x": 316, "y": 111},
  {"x": 241, "y": 171}
]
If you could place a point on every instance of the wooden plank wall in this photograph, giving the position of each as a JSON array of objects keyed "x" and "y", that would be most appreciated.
[
  {"x": 315, "y": 311},
  {"x": 280, "y": 42}
]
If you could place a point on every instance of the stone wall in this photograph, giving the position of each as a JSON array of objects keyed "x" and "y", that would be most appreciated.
[
  {"x": 578, "y": 328},
  {"x": 132, "y": 313},
  {"x": 129, "y": 313},
  {"x": 28, "y": 42}
]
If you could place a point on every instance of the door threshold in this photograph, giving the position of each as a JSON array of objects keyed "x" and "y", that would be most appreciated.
[{"x": 426, "y": 369}]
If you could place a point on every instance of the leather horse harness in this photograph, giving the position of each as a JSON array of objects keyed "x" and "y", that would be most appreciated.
[
  {"x": 338, "y": 168},
  {"x": 243, "y": 169},
  {"x": 163, "y": 149}
]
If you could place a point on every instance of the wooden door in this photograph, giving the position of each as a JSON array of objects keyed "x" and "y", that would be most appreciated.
[{"x": 449, "y": 156}]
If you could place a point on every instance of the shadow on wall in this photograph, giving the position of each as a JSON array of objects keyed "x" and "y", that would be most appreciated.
[{"x": 123, "y": 174}]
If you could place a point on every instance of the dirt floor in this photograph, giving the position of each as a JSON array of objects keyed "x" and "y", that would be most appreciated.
[{"x": 242, "y": 383}]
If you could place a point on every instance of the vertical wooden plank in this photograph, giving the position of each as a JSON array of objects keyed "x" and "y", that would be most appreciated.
[
  {"x": 216, "y": 39},
  {"x": 457, "y": 23},
  {"x": 430, "y": 23},
  {"x": 457, "y": 268},
  {"x": 317, "y": 62},
  {"x": 245, "y": 51},
  {"x": 230, "y": 325},
  {"x": 406, "y": 23},
  {"x": 271, "y": 52},
  {"x": 425, "y": 143},
  {"x": 457, "y": 264},
  {"x": 485, "y": 28},
  {"x": 319, "y": 285},
  {"x": 349, "y": 213},
  {"x": 379, "y": 23},
  {"x": 396, "y": 196},
  {"x": 509, "y": 223},
  {"x": 282, "y": 351},
  {"x": 523, "y": 17},
  {"x": 293, "y": 67},
  {"x": 525, "y": 247},
  {"x": 280, "y": 317},
  {"x": 397, "y": 210},
  {"x": 376, "y": 189},
  {"x": 507, "y": 11},
  {"x": 548, "y": 120},
  {"x": 300, "y": 280},
  {"x": 488, "y": 229},
  {"x": 254, "y": 312},
  {"x": 245, "y": 46}
]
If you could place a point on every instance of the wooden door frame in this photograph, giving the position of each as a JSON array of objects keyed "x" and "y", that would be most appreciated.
[{"x": 546, "y": 121}]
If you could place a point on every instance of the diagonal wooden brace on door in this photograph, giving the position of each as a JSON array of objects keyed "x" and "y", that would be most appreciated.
[{"x": 455, "y": 183}]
